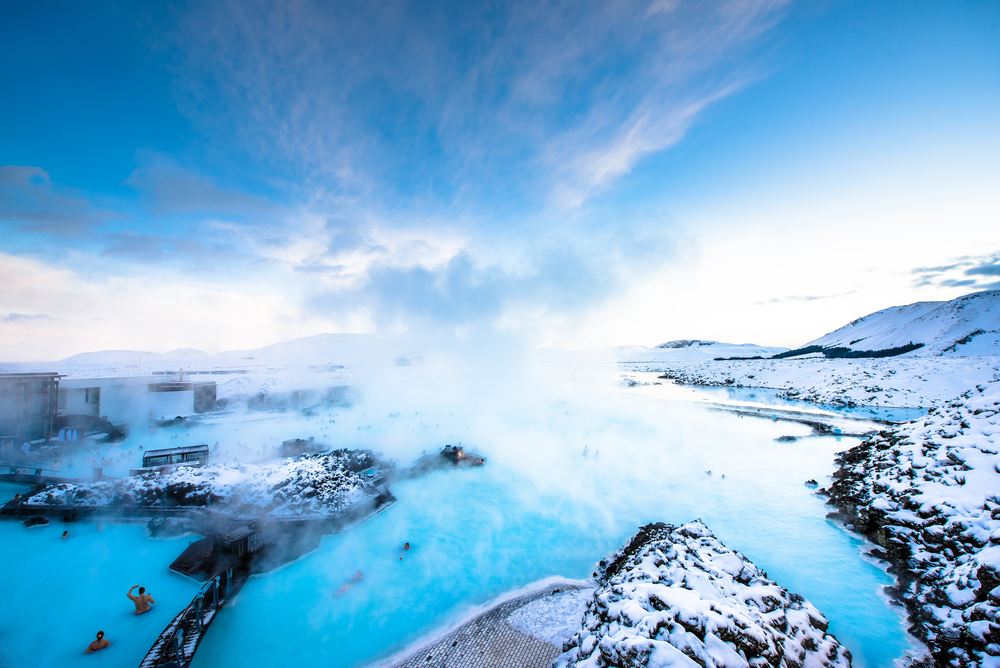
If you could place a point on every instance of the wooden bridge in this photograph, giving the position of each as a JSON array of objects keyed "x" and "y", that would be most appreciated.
[{"x": 175, "y": 647}]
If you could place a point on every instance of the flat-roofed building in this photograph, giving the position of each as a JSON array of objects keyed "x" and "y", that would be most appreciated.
[
  {"x": 128, "y": 398},
  {"x": 28, "y": 406}
]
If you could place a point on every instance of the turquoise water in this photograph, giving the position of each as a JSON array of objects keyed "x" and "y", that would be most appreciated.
[
  {"x": 59, "y": 593},
  {"x": 538, "y": 508},
  {"x": 541, "y": 508},
  {"x": 762, "y": 396}
]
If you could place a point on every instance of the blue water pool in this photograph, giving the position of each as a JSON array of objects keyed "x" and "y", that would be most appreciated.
[
  {"x": 59, "y": 593},
  {"x": 539, "y": 508}
]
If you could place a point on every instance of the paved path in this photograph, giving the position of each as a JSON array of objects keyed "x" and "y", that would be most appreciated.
[{"x": 489, "y": 642}]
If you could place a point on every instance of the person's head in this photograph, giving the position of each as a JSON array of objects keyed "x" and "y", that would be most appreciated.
[
  {"x": 142, "y": 590},
  {"x": 100, "y": 635},
  {"x": 65, "y": 534},
  {"x": 407, "y": 546}
]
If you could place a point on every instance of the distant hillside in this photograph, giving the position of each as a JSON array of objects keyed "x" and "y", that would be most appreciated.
[
  {"x": 693, "y": 349},
  {"x": 691, "y": 343},
  {"x": 968, "y": 325},
  {"x": 114, "y": 356}
]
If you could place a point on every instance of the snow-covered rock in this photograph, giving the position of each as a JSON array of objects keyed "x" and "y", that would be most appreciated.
[
  {"x": 927, "y": 492},
  {"x": 308, "y": 485},
  {"x": 676, "y": 596},
  {"x": 968, "y": 325},
  {"x": 890, "y": 381}
]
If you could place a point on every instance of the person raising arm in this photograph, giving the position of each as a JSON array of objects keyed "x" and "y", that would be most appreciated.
[{"x": 142, "y": 601}]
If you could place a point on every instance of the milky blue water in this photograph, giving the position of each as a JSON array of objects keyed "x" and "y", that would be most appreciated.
[
  {"x": 58, "y": 593},
  {"x": 538, "y": 508},
  {"x": 762, "y": 396}
]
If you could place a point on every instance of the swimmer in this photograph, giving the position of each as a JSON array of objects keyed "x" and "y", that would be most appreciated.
[
  {"x": 98, "y": 644},
  {"x": 65, "y": 534},
  {"x": 406, "y": 546},
  {"x": 142, "y": 601},
  {"x": 358, "y": 577}
]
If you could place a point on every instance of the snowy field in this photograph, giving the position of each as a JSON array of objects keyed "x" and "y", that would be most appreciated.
[{"x": 895, "y": 381}]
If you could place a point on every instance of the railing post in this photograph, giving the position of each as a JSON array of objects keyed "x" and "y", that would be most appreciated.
[
  {"x": 229, "y": 583},
  {"x": 198, "y": 602},
  {"x": 215, "y": 593}
]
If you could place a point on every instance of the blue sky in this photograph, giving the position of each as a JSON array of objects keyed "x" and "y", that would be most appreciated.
[{"x": 580, "y": 174}]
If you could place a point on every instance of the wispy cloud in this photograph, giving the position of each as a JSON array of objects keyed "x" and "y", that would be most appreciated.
[
  {"x": 804, "y": 298},
  {"x": 31, "y": 202},
  {"x": 554, "y": 100},
  {"x": 25, "y": 317},
  {"x": 972, "y": 271}
]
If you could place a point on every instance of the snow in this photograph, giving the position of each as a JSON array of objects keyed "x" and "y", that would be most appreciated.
[
  {"x": 676, "y": 596},
  {"x": 308, "y": 485},
  {"x": 968, "y": 325},
  {"x": 927, "y": 490},
  {"x": 903, "y": 381},
  {"x": 552, "y": 619}
]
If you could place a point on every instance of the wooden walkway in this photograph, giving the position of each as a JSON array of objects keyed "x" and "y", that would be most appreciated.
[{"x": 175, "y": 647}]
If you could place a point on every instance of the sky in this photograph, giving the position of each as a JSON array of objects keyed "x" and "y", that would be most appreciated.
[{"x": 231, "y": 174}]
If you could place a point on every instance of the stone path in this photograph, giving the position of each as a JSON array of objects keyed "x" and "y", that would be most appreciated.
[{"x": 489, "y": 642}]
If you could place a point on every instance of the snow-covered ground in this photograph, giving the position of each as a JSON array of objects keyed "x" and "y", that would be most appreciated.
[
  {"x": 968, "y": 325},
  {"x": 676, "y": 596},
  {"x": 889, "y": 381},
  {"x": 929, "y": 493},
  {"x": 308, "y": 485}
]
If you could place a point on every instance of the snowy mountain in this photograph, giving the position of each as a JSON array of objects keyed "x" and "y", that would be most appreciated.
[
  {"x": 310, "y": 350},
  {"x": 112, "y": 356},
  {"x": 690, "y": 343},
  {"x": 693, "y": 349},
  {"x": 969, "y": 325}
]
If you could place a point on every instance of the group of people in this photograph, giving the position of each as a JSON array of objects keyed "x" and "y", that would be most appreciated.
[{"x": 143, "y": 603}]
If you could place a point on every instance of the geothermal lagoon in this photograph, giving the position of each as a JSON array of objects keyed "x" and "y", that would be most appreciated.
[{"x": 567, "y": 481}]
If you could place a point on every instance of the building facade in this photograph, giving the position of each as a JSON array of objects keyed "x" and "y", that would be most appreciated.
[{"x": 28, "y": 406}]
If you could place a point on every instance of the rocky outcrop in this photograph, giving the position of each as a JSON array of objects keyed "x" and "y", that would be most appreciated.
[
  {"x": 676, "y": 596},
  {"x": 927, "y": 493},
  {"x": 308, "y": 485}
]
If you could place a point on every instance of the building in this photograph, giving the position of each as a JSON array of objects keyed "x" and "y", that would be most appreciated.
[
  {"x": 129, "y": 398},
  {"x": 191, "y": 455},
  {"x": 28, "y": 406}
]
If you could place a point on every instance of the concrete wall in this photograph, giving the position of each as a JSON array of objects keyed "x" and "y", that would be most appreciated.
[
  {"x": 125, "y": 399},
  {"x": 80, "y": 401}
]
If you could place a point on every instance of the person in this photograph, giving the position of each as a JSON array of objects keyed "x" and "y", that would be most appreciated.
[
  {"x": 98, "y": 644},
  {"x": 142, "y": 601},
  {"x": 65, "y": 534},
  {"x": 358, "y": 577},
  {"x": 406, "y": 546}
]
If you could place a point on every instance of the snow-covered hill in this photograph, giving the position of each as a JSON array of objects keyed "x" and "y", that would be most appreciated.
[
  {"x": 966, "y": 326},
  {"x": 691, "y": 350}
]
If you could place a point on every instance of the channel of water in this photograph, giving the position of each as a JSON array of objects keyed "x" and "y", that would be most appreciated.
[{"x": 540, "y": 507}]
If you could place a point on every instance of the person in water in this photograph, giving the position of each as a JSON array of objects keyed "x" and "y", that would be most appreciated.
[
  {"x": 358, "y": 577},
  {"x": 98, "y": 644},
  {"x": 65, "y": 534},
  {"x": 142, "y": 601}
]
